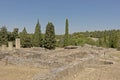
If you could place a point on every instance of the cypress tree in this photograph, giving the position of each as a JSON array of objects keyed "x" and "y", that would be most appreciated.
[
  {"x": 37, "y": 35},
  {"x": 66, "y": 36},
  {"x": 50, "y": 41}
]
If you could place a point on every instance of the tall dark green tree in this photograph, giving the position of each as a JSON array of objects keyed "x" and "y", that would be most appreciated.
[
  {"x": 37, "y": 35},
  {"x": 66, "y": 36},
  {"x": 50, "y": 41},
  {"x": 25, "y": 39},
  {"x": 3, "y": 36}
]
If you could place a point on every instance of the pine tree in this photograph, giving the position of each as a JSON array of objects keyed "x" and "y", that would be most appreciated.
[
  {"x": 37, "y": 36},
  {"x": 66, "y": 36},
  {"x": 25, "y": 39},
  {"x": 50, "y": 41}
]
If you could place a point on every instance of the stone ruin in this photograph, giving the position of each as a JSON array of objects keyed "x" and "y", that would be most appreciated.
[
  {"x": 17, "y": 42},
  {"x": 10, "y": 45}
]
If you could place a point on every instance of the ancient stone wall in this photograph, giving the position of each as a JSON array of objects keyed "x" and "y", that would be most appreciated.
[{"x": 17, "y": 43}]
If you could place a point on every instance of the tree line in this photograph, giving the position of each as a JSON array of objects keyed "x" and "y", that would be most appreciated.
[
  {"x": 49, "y": 40},
  {"x": 108, "y": 38},
  {"x": 37, "y": 39},
  {"x": 105, "y": 38}
]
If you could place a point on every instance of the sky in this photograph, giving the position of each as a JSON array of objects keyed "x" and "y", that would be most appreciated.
[{"x": 83, "y": 15}]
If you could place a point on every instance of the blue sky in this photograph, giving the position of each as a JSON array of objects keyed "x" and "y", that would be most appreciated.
[{"x": 83, "y": 15}]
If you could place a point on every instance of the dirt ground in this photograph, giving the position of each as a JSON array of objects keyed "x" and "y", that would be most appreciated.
[
  {"x": 12, "y": 72},
  {"x": 102, "y": 72},
  {"x": 92, "y": 69}
]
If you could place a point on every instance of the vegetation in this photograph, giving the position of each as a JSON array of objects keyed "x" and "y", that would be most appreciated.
[
  {"x": 3, "y": 36},
  {"x": 66, "y": 36},
  {"x": 106, "y": 38},
  {"x": 37, "y": 36},
  {"x": 25, "y": 39},
  {"x": 78, "y": 39},
  {"x": 50, "y": 41}
]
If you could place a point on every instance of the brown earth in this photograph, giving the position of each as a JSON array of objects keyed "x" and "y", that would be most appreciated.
[
  {"x": 13, "y": 72},
  {"x": 84, "y": 63}
]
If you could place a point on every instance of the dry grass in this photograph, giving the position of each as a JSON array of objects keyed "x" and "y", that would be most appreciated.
[
  {"x": 103, "y": 73},
  {"x": 106, "y": 72},
  {"x": 94, "y": 72},
  {"x": 18, "y": 72},
  {"x": 116, "y": 54}
]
